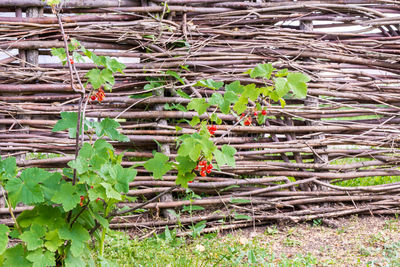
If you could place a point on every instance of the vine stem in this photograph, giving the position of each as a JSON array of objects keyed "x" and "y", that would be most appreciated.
[
  {"x": 10, "y": 210},
  {"x": 81, "y": 91}
]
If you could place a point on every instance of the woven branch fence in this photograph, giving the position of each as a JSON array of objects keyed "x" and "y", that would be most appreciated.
[{"x": 347, "y": 128}]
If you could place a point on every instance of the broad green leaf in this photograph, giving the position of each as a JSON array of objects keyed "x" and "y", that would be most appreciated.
[
  {"x": 27, "y": 188},
  {"x": 281, "y": 86},
  {"x": 86, "y": 151},
  {"x": 8, "y": 168},
  {"x": 123, "y": 177},
  {"x": 15, "y": 256},
  {"x": 190, "y": 147},
  {"x": 198, "y": 104},
  {"x": 225, "y": 156},
  {"x": 195, "y": 120},
  {"x": 4, "y": 230},
  {"x": 297, "y": 83},
  {"x": 114, "y": 65},
  {"x": 51, "y": 185},
  {"x": 158, "y": 165},
  {"x": 68, "y": 121},
  {"x": 94, "y": 78},
  {"x": 67, "y": 197},
  {"x": 282, "y": 73},
  {"x": 107, "y": 76},
  {"x": 216, "y": 99},
  {"x": 186, "y": 164},
  {"x": 109, "y": 127},
  {"x": 215, "y": 118},
  {"x": 110, "y": 191},
  {"x": 235, "y": 87},
  {"x": 60, "y": 53},
  {"x": 210, "y": 83},
  {"x": 241, "y": 105},
  {"x": 102, "y": 148},
  {"x": 53, "y": 241},
  {"x": 33, "y": 237},
  {"x": 81, "y": 165},
  {"x": 262, "y": 70},
  {"x": 251, "y": 92},
  {"x": 78, "y": 236},
  {"x": 184, "y": 177},
  {"x": 41, "y": 258}
]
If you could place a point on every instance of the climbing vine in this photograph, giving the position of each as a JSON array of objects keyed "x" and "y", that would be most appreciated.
[{"x": 74, "y": 205}]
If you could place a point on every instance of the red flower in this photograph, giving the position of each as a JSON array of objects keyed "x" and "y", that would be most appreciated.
[{"x": 264, "y": 112}]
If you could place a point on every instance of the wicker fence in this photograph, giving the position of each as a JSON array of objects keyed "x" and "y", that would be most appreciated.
[{"x": 347, "y": 128}]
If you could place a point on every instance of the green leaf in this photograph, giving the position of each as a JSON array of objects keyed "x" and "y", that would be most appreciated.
[
  {"x": 183, "y": 94},
  {"x": 235, "y": 87},
  {"x": 210, "y": 83},
  {"x": 240, "y": 200},
  {"x": 15, "y": 256},
  {"x": 198, "y": 104},
  {"x": 107, "y": 77},
  {"x": 281, "y": 86},
  {"x": 102, "y": 148},
  {"x": 33, "y": 237},
  {"x": 297, "y": 83},
  {"x": 41, "y": 259},
  {"x": 4, "y": 230},
  {"x": 114, "y": 65},
  {"x": 67, "y": 197},
  {"x": 8, "y": 168},
  {"x": 158, "y": 165},
  {"x": 251, "y": 92},
  {"x": 225, "y": 156},
  {"x": 190, "y": 147},
  {"x": 195, "y": 120},
  {"x": 110, "y": 191},
  {"x": 53, "y": 241},
  {"x": 94, "y": 78},
  {"x": 262, "y": 70},
  {"x": 175, "y": 75},
  {"x": 68, "y": 121},
  {"x": 78, "y": 236},
  {"x": 215, "y": 118},
  {"x": 183, "y": 178},
  {"x": 123, "y": 177},
  {"x": 109, "y": 127},
  {"x": 60, "y": 53},
  {"x": 81, "y": 165},
  {"x": 282, "y": 73},
  {"x": 216, "y": 99},
  {"x": 241, "y": 105},
  {"x": 242, "y": 217},
  {"x": 27, "y": 188}
]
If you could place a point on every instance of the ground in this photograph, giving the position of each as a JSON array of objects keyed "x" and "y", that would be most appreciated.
[{"x": 359, "y": 241}]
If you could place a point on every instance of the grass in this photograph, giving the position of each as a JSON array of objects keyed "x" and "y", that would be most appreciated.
[
  {"x": 364, "y": 181},
  {"x": 368, "y": 241}
]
